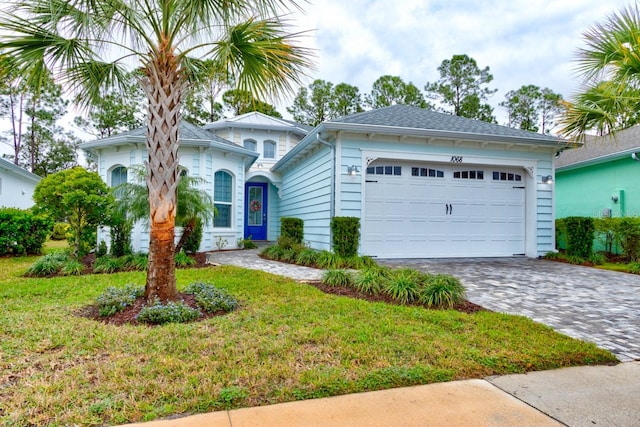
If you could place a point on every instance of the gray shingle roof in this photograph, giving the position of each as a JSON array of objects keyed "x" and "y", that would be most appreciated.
[
  {"x": 188, "y": 131},
  {"x": 594, "y": 148},
  {"x": 408, "y": 117}
]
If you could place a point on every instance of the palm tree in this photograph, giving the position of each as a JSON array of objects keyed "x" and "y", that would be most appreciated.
[
  {"x": 89, "y": 43},
  {"x": 132, "y": 202},
  {"x": 610, "y": 66}
]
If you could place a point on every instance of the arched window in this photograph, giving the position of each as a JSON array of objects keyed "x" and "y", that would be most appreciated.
[
  {"x": 269, "y": 150},
  {"x": 222, "y": 198},
  {"x": 251, "y": 144},
  {"x": 118, "y": 176}
]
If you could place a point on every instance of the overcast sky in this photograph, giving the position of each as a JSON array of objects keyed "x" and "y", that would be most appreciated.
[{"x": 522, "y": 41}]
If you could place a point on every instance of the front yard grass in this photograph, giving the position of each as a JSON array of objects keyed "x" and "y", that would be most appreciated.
[{"x": 287, "y": 341}]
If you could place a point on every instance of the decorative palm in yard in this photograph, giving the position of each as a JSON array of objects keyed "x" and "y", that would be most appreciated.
[
  {"x": 88, "y": 45},
  {"x": 610, "y": 66}
]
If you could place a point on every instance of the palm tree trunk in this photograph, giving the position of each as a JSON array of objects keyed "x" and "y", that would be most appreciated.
[{"x": 163, "y": 87}]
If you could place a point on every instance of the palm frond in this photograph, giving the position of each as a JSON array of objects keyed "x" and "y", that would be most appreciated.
[
  {"x": 603, "y": 108},
  {"x": 265, "y": 59}
]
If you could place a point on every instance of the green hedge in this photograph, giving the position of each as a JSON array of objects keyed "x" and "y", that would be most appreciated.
[
  {"x": 346, "y": 235},
  {"x": 22, "y": 232},
  {"x": 580, "y": 234},
  {"x": 613, "y": 235},
  {"x": 292, "y": 229}
]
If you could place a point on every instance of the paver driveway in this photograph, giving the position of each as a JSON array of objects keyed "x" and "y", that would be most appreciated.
[{"x": 595, "y": 305}]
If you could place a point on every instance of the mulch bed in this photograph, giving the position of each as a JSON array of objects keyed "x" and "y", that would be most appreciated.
[
  {"x": 129, "y": 314},
  {"x": 466, "y": 307}
]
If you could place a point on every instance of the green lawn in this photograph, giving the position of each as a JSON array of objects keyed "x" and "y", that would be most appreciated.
[{"x": 288, "y": 341}]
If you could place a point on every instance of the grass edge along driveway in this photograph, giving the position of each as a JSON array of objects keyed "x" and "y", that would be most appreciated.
[{"x": 288, "y": 341}]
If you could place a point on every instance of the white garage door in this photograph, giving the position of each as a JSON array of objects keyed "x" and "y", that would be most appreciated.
[{"x": 415, "y": 210}]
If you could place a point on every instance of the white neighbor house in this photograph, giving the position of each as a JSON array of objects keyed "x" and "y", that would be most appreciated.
[
  {"x": 424, "y": 184},
  {"x": 16, "y": 186}
]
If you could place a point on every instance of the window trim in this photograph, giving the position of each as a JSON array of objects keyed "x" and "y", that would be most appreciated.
[
  {"x": 224, "y": 202},
  {"x": 252, "y": 141},
  {"x": 264, "y": 149}
]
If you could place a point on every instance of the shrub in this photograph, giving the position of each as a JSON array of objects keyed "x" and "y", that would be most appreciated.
[
  {"x": 211, "y": 299},
  {"x": 120, "y": 236},
  {"x": 628, "y": 234},
  {"x": 272, "y": 252},
  {"x": 329, "y": 260},
  {"x": 580, "y": 232},
  {"x": 114, "y": 300},
  {"x": 338, "y": 277},
  {"x": 60, "y": 230},
  {"x": 137, "y": 262},
  {"x": 192, "y": 244},
  {"x": 72, "y": 268},
  {"x": 171, "y": 312},
  {"x": 22, "y": 232},
  {"x": 108, "y": 264},
  {"x": 49, "y": 264},
  {"x": 370, "y": 281},
  {"x": 404, "y": 285},
  {"x": 634, "y": 267},
  {"x": 442, "y": 290},
  {"x": 183, "y": 260},
  {"x": 576, "y": 260},
  {"x": 346, "y": 235},
  {"x": 597, "y": 259},
  {"x": 286, "y": 242},
  {"x": 552, "y": 255},
  {"x": 102, "y": 249},
  {"x": 307, "y": 257},
  {"x": 288, "y": 255},
  {"x": 247, "y": 243},
  {"x": 292, "y": 228}
]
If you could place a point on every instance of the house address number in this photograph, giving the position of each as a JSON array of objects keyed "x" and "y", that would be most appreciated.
[{"x": 456, "y": 159}]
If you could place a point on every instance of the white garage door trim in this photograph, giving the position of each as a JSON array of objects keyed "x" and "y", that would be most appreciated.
[{"x": 427, "y": 212}]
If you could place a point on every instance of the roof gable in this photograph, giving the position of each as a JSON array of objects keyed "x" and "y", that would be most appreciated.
[{"x": 257, "y": 120}]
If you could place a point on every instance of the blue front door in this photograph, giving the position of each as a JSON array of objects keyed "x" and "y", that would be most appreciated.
[{"x": 255, "y": 218}]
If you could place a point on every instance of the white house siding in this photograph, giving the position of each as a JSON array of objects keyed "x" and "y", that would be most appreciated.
[
  {"x": 354, "y": 150},
  {"x": 274, "y": 213},
  {"x": 306, "y": 194},
  {"x": 16, "y": 189}
]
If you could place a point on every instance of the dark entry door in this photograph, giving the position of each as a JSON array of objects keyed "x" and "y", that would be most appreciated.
[{"x": 255, "y": 219}]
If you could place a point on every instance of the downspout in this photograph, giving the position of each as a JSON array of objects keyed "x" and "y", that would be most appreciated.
[{"x": 332, "y": 201}]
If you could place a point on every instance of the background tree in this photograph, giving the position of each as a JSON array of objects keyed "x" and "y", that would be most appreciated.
[
  {"x": 323, "y": 101},
  {"x": 202, "y": 103},
  {"x": 77, "y": 197},
  {"x": 312, "y": 106},
  {"x": 462, "y": 87},
  {"x": 609, "y": 99},
  {"x": 117, "y": 110},
  {"x": 193, "y": 204},
  {"x": 391, "y": 90},
  {"x": 531, "y": 108},
  {"x": 39, "y": 143},
  {"x": 241, "y": 101},
  {"x": 169, "y": 39},
  {"x": 346, "y": 100}
]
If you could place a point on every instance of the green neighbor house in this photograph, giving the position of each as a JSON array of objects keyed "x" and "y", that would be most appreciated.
[{"x": 601, "y": 178}]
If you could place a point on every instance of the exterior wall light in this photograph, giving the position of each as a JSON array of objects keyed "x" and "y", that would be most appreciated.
[
  {"x": 614, "y": 199},
  {"x": 548, "y": 179},
  {"x": 352, "y": 170}
]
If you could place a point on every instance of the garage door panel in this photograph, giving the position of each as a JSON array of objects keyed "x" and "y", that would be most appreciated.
[{"x": 420, "y": 216}]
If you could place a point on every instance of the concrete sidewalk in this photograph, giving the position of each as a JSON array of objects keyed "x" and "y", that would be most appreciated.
[{"x": 580, "y": 396}]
